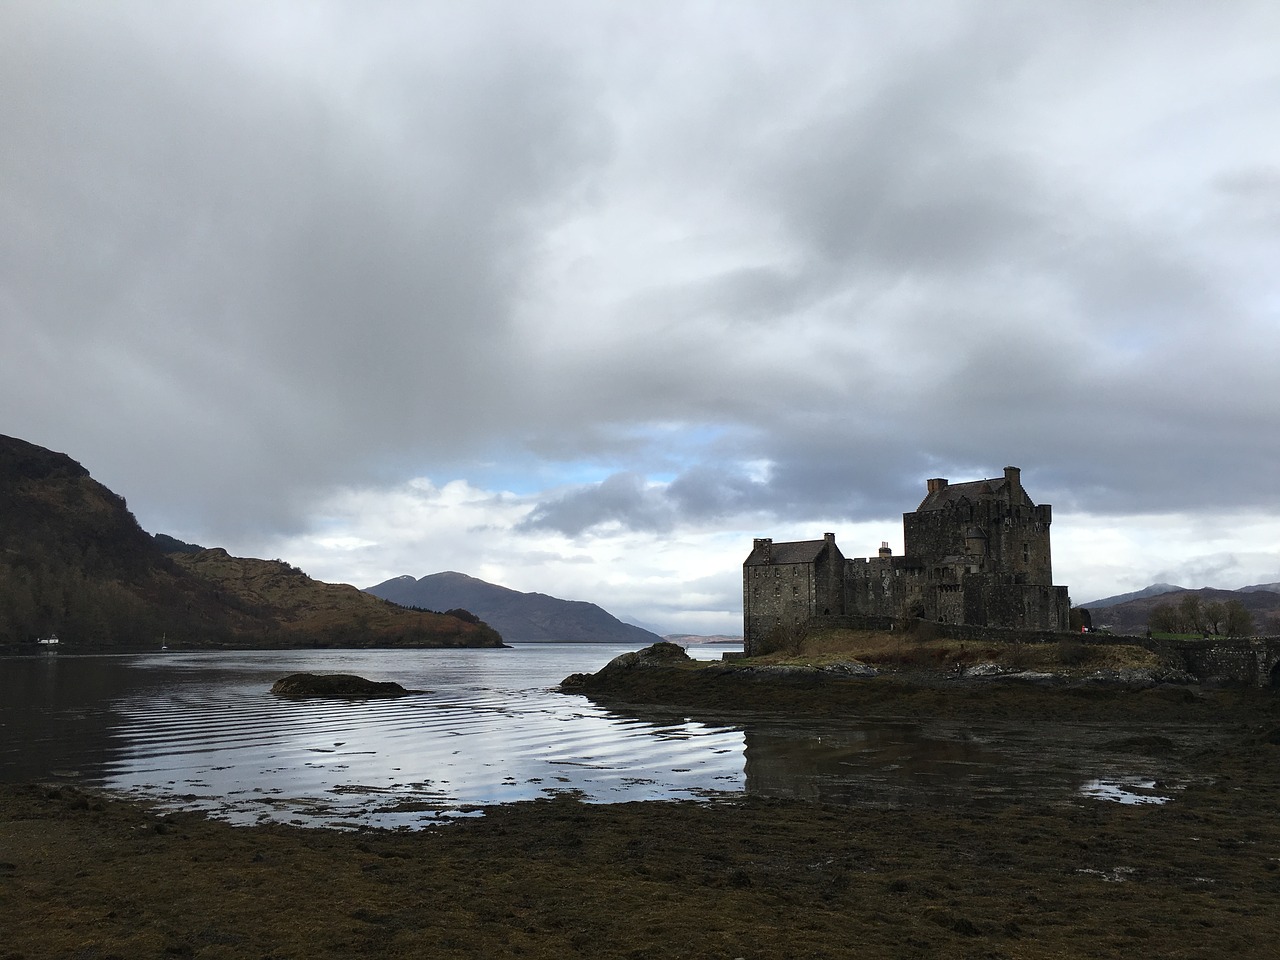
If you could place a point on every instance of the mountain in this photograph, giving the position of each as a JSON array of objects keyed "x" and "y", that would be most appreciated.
[
  {"x": 1133, "y": 616},
  {"x": 327, "y": 614},
  {"x": 1155, "y": 590},
  {"x": 523, "y": 617},
  {"x": 1269, "y": 587},
  {"x": 169, "y": 544},
  {"x": 74, "y": 561}
]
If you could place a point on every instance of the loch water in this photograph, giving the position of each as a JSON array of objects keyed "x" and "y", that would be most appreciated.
[{"x": 202, "y": 731}]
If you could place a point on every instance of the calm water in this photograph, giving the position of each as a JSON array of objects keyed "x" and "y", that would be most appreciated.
[{"x": 201, "y": 730}]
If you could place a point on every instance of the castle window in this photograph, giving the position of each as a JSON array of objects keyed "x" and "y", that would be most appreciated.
[{"x": 1026, "y": 553}]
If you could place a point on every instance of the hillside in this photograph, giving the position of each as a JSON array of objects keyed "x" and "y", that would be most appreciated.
[
  {"x": 1133, "y": 616},
  {"x": 74, "y": 561},
  {"x": 519, "y": 617},
  {"x": 1155, "y": 590},
  {"x": 325, "y": 614}
]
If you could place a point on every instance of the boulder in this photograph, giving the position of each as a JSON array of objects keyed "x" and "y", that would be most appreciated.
[
  {"x": 338, "y": 686},
  {"x": 660, "y": 654}
]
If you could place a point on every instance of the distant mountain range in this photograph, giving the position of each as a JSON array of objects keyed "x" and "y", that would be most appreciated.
[
  {"x": 1159, "y": 589},
  {"x": 519, "y": 617},
  {"x": 74, "y": 561},
  {"x": 1155, "y": 590},
  {"x": 1130, "y": 613}
]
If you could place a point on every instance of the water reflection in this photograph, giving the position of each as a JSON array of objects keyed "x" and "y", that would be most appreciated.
[
  {"x": 202, "y": 731},
  {"x": 55, "y": 716},
  {"x": 884, "y": 764}
]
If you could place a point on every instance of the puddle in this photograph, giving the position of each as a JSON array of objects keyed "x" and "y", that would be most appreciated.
[{"x": 1129, "y": 790}]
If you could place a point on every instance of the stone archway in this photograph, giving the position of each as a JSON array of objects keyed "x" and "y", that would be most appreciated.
[{"x": 1273, "y": 681}]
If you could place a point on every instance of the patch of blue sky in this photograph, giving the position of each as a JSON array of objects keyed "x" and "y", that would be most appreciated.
[{"x": 659, "y": 452}]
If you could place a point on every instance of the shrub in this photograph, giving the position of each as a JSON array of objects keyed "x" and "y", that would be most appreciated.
[{"x": 1073, "y": 652}]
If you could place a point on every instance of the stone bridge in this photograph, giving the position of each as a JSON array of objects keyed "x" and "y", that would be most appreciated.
[{"x": 1253, "y": 662}]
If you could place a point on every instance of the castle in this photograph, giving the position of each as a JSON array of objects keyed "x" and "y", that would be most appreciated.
[{"x": 975, "y": 553}]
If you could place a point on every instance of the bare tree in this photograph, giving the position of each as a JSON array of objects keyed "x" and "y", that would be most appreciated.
[{"x": 1239, "y": 621}]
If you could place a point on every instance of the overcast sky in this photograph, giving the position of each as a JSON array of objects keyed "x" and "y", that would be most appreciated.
[{"x": 582, "y": 297}]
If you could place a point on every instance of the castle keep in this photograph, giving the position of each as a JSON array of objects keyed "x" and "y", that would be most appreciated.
[{"x": 975, "y": 553}]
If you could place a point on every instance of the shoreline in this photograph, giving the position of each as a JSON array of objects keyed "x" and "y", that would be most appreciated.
[{"x": 87, "y": 875}]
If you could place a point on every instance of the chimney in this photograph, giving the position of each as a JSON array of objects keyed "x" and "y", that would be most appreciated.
[
  {"x": 885, "y": 552},
  {"x": 1014, "y": 477},
  {"x": 936, "y": 484},
  {"x": 829, "y": 537},
  {"x": 765, "y": 546}
]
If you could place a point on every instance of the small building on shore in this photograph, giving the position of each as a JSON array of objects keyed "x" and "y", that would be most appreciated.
[{"x": 975, "y": 553}]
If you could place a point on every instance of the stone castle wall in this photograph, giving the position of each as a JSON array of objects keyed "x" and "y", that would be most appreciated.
[{"x": 976, "y": 553}]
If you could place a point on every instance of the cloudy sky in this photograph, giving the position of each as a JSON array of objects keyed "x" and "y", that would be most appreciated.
[{"x": 581, "y": 297}]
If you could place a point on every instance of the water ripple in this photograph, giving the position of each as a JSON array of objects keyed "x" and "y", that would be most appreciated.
[{"x": 399, "y": 762}]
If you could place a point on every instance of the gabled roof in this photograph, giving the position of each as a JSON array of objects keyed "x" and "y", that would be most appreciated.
[
  {"x": 997, "y": 488},
  {"x": 795, "y": 551}
]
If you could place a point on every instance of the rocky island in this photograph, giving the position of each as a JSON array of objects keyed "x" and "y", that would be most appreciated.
[{"x": 336, "y": 686}]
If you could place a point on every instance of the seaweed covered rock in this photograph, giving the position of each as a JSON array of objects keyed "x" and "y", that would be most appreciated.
[
  {"x": 338, "y": 686},
  {"x": 662, "y": 654}
]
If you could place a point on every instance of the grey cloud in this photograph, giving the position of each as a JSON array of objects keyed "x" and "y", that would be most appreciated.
[
  {"x": 623, "y": 500},
  {"x": 264, "y": 254},
  {"x": 313, "y": 279}
]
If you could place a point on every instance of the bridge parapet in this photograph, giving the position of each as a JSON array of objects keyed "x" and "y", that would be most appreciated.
[{"x": 1251, "y": 662}]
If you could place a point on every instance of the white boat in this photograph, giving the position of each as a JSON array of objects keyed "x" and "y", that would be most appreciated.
[{"x": 47, "y": 642}]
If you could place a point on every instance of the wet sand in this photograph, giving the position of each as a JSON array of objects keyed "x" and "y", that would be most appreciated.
[{"x": 87, "y": 876}]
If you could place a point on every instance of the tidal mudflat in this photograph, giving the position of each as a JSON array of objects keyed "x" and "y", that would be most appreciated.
[{"x": 85, "y": 875}]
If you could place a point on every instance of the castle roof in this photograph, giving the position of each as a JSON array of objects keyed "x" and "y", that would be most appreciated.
[
  {"x": 795, "y": 551},
  {"x": 997, "y": 488}
]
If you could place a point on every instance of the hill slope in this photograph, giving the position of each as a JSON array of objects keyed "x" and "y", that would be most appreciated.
[
  {"x": 522, "y": 617},
  {"x": 1133, "y": 616},
  {"x": 325, "y": 614},
  {"x": 73, "y": 560},
  {"x": 1155, "y": 590}
]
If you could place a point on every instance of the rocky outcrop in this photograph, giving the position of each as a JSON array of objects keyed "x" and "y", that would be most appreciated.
[
  {"x": 795, "y": 672},
  {"x": 657, "y": 655},
  {"x": 337, "y": 686},
  {"x": 644, "y": 671}
]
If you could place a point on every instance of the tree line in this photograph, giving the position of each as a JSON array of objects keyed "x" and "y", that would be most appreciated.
[{"x": 1191, "y": 615}]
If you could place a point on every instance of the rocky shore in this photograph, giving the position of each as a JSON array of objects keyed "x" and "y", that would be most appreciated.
[
  {"x": 89, "y": 876},
  {"x": 838, "y": 685}
]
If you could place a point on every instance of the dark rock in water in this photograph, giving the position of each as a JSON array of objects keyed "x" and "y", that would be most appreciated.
[
  {"x": 661, "y": 654},
  {"x": 341, "y": 686}
]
